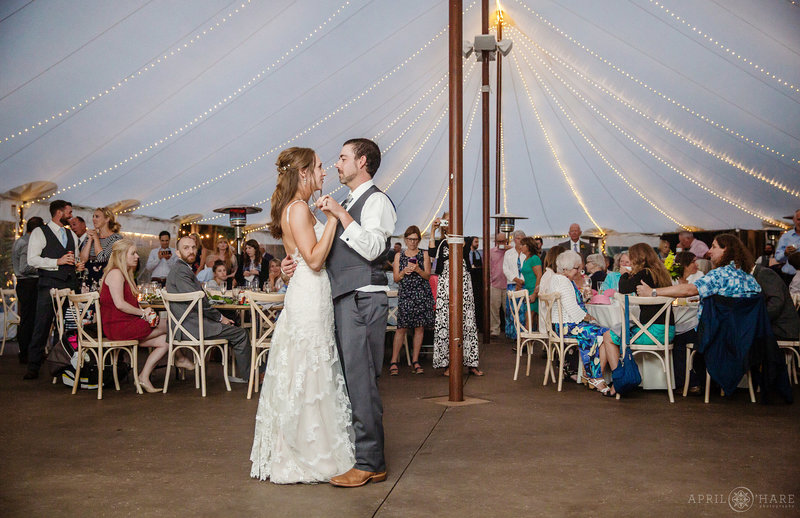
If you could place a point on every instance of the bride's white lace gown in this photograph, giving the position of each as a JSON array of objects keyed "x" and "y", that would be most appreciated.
[{"x": 304, "y": 424}]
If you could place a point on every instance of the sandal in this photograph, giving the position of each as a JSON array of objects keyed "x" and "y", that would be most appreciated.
[
  {"x": 394, "y": 369},
  {"x": 475, "y": 371},
  {"x": 594, "y": 383},
  {"x": 416, "y": 368}
]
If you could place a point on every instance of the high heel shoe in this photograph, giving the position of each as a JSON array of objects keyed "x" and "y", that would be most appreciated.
[{"x": 148, "y": 387}]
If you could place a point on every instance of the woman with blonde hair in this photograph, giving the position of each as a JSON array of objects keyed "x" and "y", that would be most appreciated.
[
  {"x": 100, "y": 240},
  {"x": 122, "y": 317},
  {"x": 223, "y": 252}
]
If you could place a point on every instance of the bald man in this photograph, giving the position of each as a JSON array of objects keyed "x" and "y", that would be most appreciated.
[{"x": 575, "y": 244}]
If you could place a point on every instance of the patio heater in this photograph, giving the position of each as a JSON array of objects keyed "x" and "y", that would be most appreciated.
[
  {"x": 506, "y": 223},
  {"x": 238, "y": 220}
]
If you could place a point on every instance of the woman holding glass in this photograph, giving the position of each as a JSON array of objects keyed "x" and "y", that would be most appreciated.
[{"x": 97, "y": 249}]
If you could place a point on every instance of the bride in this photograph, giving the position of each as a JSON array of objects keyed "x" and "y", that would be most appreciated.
[{"x": 303, "y": 427}]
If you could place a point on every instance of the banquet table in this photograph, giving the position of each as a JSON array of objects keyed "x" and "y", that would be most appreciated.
[{"x": 610, "y": 316}]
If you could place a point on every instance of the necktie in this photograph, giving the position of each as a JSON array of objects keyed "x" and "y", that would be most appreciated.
[
  {"x": 575, "y": 247},
  {"x": 62, "y": 236},
  {"x": 347, "y": 201}
]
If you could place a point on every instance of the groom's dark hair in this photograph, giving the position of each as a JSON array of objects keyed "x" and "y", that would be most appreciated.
[{"x": 369, "y": 149}]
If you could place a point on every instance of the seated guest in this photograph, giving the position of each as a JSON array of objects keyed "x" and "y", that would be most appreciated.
[
  {"x": 780, "y": 308},
  {"x": 622, "y": 264},
  {"x": 223, "y": 252},
  {"x": 215, "y": 325},
  {"x": 201, "y": 258},
  {"x": 594, "y": 341},
  {"x": 123, "y": 319},
  {"x": 98, "y": 246},
  {"x": 768, "y": 257},
  {"x": 549, "y": 271},
  {"x": 688, "y": 243},
  {"x": 255, "y": 265},
  {"x": 728, "y": 278},
  {"x": 596, "y": 269},
  {"x": 275, "y": 281},
  {"x": 161, "y": 259},
  {"x": 687, "y": 263},
  {"x": 207, "y": 273},
  {"x": 220, "y": 280},
  {"x": 647, "y": 268},
  {"x": 663, "y": 249},
  {"x": 531, "y": 270},
  {"x": 794, "y": 261}
]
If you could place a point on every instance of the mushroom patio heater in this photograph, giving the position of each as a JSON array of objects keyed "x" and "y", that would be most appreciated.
[
  {"x": 506, "y": 222},
  {"x": 238, "y": 220}
]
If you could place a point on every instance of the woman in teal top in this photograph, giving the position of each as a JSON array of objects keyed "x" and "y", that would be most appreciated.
[{"x": 531, "y": 270}]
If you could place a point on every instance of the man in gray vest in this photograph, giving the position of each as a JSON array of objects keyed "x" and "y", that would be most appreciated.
[
  {"x": 358, "y": 287},
  {"x": 52, "y": 250}
]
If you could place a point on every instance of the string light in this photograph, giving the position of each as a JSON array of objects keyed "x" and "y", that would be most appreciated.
[
  {"x": 591, "y": 144},
  {"x": 572, "y": 188},
  {"x": 200, "y": 118},
  {"x": 675, "y": 169},
  {"x": 705, "y": 118},
  {"x": 103, "y": 92},
  {"x": 716, "y": 154},
  {"x": 282, "y": 145},
  {"x": 727, "y": 50}
]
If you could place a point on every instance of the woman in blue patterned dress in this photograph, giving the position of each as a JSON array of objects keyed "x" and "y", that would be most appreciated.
[
  {"x": 596, "y": 349},
  {"x": 412, "y": 269}
]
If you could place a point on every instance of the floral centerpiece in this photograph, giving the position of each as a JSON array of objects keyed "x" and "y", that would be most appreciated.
[{"x": 675, "y": 269}]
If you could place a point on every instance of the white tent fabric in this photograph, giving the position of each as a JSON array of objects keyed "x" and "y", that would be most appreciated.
[{"x": 636, "y": 116}]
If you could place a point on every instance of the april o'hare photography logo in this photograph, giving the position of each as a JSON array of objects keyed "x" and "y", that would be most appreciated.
[{"x": 741, "y": 499}]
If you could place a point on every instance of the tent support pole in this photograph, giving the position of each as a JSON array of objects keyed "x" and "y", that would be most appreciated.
[
  {"x": 486, "y": 181},
  {"x": 498, "y": 117},
  {"x": 456, "y": 308}
]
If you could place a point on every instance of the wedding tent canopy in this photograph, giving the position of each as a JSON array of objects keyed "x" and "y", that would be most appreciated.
[{"x": 637, "y": 116}]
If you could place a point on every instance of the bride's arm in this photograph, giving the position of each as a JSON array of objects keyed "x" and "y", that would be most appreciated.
[{"x": 314, "y": 252}]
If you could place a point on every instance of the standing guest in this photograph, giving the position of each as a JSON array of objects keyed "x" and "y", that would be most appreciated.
[
  {"x": 687, "y": 243},
  {"x": 689, "y": 272},
  {"x": 531, "y": 271},
  {"x": 51, "y": 249},
  {"x": 161, "y": 259},
  {"x": 788, "y": 244},
  {"x": 255, "y": 265},
  {"x": 437, "y": 247},
  {"x": 497, "y": 280},
  {"x": 540, "y": 248},
  {"x": 441, "y": 333},
  {"x": 220, "y": 280},
  {"x": 223, "y": 252},
  {"x": 768, "y": 256},
  {"x": 663, "y": 249},
  {"x": 396, "y": 249},
  {"x": 575, "y": 244},
  {"x": 596, "y": 269},
  {"x": 27, "y": 281},
  {"x": 512, "y": 268},
  {"x": 123, "y": 319},
  {"x": 596, "y": 348},
  {"x": 98, "y": 247},
  {"x": 201, "y": 257},
  {"x": 78, "y": 225},
  {"x": 412, "y": 269},
  {"x": 275, "y": 281},
  {"x": 215, "y": 324},
  {"x": 647, "y": 268},
  {"x": 474, "y": 259},
  {"x": 622, "y": 264}
]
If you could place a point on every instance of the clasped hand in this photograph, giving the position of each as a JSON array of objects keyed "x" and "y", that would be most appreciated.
[{"x": 329, "y": 206}]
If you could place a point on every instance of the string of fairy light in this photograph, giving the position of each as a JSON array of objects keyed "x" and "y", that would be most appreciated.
[
  {"x": 672, "y": 167},
  {"x": 201, "y": 117},
  {"x": 696, "y": 113},
  {"x": 162, "y": 57},
  {"x": 725, "y": 47},
  {"x": 307, "y": 130},
  {"x": 665, "y": 126},
  {"x": 588, "y": 141}
]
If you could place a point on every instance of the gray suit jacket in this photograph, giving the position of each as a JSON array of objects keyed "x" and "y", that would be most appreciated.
[
  {"x": 782, "y": 315},
  {"x": 586, "y": 249},
  {"x": 182, "y": 280}
]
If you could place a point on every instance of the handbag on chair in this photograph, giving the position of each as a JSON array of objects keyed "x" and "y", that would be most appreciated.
[{"x": 626, "y": 376}]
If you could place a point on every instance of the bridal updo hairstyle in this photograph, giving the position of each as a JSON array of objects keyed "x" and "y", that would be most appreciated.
[{"x": 289, "y": 164}]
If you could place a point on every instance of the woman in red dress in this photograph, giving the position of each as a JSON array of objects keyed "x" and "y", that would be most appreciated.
[{"x": 122, "y": 317}]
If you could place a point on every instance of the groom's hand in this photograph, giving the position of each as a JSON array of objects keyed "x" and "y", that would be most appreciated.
[{"x": 288, "y": 266}]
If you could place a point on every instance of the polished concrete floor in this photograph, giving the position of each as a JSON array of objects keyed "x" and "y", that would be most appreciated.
[{"x": 529, "y": 451}]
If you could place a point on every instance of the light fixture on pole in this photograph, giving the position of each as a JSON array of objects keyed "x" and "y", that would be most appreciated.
[
  {"x": 238, "y": 220},
  {"x": 487, "y": 43}
]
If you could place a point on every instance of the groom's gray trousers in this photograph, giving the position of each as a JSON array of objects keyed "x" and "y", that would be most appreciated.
[{"x": 360, "y": 319}]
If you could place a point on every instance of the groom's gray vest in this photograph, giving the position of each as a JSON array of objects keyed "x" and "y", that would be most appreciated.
[{"x": 347, "y": 270}]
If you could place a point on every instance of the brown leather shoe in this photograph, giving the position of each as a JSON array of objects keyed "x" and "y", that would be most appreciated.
[{"x": 357, "y": 478}]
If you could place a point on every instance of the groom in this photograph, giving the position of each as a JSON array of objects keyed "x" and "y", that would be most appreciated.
[{"x": 358, "y": 287}]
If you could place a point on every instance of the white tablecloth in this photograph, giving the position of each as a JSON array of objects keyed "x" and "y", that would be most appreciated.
[{"x": 610, "y": 316}]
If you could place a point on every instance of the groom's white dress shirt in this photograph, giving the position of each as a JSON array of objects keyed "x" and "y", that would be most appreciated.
[{"x": 378, "y": 218}]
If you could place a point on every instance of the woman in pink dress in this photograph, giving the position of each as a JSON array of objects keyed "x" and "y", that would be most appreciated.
[{"x": 122, "y": 317}]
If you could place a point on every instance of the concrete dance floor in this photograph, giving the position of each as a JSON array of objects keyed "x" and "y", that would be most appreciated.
[{"x": 530, "y": 451}]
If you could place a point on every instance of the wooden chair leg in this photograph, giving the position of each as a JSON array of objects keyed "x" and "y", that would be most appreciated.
[
  {"x": 202, "y": 372},
  {"x": 78, "y": 366},
  {"x": 530, "y": 353},
  {"x": 560, "y": 366},
  {"x": 253, "y": 368},
  {"x": 750, "y": 387},
  {"x": 689, "y": 357},
  {"x": 225, "y": 369},
  {"x": 114, "y": 359},
  {"x": 708, "y": 386},
  {"x": 518, "y": 354},
  {"x": 170, "y": 362},
  {"x": 100, "y": 363},
  {"x": 667, "y": 372}
]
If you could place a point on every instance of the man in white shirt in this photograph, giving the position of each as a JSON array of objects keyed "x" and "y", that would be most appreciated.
[
  {"x": 52, "y": 250},
  {"x": 358, "y": 287},
  {"x": 512, "y": 268},
  {"x": 161, "y": 260},
  {"x": 575, "y": 244},
  {"x": 78, "y": 225}
]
